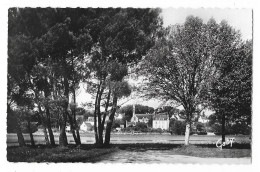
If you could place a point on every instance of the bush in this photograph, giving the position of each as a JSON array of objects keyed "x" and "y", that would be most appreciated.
[
  {"x": 116, "y": 125},
  {"x": 156, "y": 130},
  {"x": 202, "y": 133},
  {"x": 141, "y": 125},
  {"x": 232, "y": 129},
  {"x": 24, "y": 127},
  {"x": 177, "y": 127}
]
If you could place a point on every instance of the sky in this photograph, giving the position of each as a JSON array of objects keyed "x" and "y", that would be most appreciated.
[{"x": 240, "y": 19}]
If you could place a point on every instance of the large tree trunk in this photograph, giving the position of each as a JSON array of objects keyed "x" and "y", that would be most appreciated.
[
  {"x": 110, "y": 122},
  {"x": 223, "y": 127},
  {"x": 30, "y": 132},
  {"x": 19, "y": 133},
  {"x": 188, "y": 125},
  {"x": 187, "y": 133}
]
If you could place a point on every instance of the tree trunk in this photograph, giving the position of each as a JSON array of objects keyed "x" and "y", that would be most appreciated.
[
  {"x": 74, "y": 119},
  {"x": 100, "y": 131},
  {"x": 19, "y": 133},
  {"x": 100, "y": 128},
  {"x": 72, "y": 129},
  {"x": 43, "y": 124},
  {"x": 223, "y": 127},
  {"x": 63, "y": 137},
  {"x": 49, "y": 126},
  {"x": 110, "y": 122},
  {"x": 108, "y": 132},
  {"x": 78, "y": 136},
  {"x": 106, "y": 109},
  {"x": 95, "y": 116},
  {"x": 44, "y": 127},
  {"x": 30, "y": 132},
  {"x": 187, "y": 133},
  {"x": 95, "y": 128},
  {"x": 18, "y": 128},
  {"x": 46, "y": 135}
]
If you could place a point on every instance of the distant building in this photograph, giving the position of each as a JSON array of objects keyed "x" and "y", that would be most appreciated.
[
  {"x": 67, "y": 128},
  {"x": 85, "y": 126},
  {"x": 203, "y": 119},
  {"x": 119, "y": 116},
  {"x": 144, "y": 118},
  {"x": 161, "y": 120}
]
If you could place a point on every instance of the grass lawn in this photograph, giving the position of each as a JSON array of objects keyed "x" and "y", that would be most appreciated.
[{"x": 89, "y": 153}]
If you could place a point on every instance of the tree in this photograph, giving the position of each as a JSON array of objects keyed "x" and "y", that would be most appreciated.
[
  {"x": 180, "y": 66},
  {"x": 20, "y": 64},
  {"x": 52, "y": 39},
  {"x": 66, "y": 46},
  {"x": 121, "y": 37},
  {"x": 231, "y": 92}
]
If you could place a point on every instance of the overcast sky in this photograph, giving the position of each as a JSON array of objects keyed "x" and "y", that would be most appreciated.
[{"x": 240, "y": 19}]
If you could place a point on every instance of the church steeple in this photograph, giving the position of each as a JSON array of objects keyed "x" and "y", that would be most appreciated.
[{"x": 134, "y": 117}]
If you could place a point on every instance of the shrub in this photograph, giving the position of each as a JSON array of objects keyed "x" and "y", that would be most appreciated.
[
  {"x": 24, "y": 127},
  {"x": 177, "y": 127},
  {"x": 116, "y": 125},
  {"x": 141, "y": 125}
]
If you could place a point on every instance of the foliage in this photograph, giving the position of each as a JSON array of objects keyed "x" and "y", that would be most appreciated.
[
  {"x": 200, "y": 126},
  {"x": 239, "y": 127},
  {"x": 23, "y": 116},
  {"x": 140, "y": 125},
  {"x": 177, "y": 127},
  {"x": 189, "y": 63},
  {"x": 231, "y": 93},
  {"x": 139, "y": 109},
  {"x": 116, "y": 124}
]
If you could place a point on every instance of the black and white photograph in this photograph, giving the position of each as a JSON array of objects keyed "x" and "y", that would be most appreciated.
[{"x": 121, "y": 85}]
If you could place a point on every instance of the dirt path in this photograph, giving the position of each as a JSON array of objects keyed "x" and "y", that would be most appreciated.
[{"x": 166, "y": 156}]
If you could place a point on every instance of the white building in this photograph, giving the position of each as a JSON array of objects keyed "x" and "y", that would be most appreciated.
[
  {"x": 203, "y": 119},
  {"x": 161, "y": 120},
  {"x": 85, "y": 126}
]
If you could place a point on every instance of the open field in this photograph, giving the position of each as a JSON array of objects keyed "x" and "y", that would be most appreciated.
[{"x": 88, "y": 138}]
